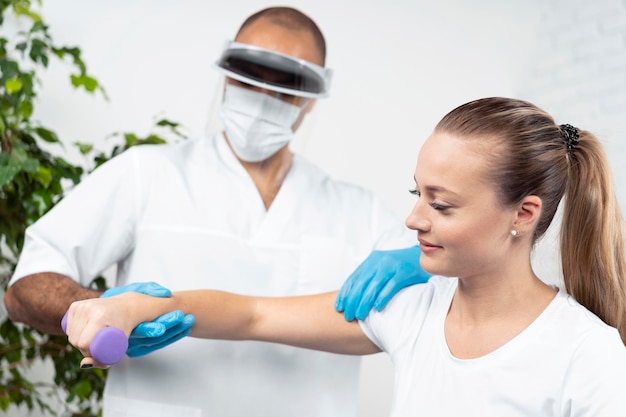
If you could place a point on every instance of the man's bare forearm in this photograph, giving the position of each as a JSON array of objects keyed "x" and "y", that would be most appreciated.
[{"x": 40, "y": 300}]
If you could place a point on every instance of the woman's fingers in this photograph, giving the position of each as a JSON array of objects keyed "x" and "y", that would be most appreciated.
[{"x": 89, "y": 362}]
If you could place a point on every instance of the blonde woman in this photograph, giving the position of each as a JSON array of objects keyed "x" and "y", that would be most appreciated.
[{"x": 495, "y": 340}]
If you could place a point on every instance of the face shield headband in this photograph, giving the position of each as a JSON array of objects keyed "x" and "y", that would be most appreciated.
[{"x": 274, "y": 71}]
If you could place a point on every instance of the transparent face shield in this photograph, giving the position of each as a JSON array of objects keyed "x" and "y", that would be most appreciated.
[
  {"x": 274, "y": 71},
  {"x": 290, "y": 80}
]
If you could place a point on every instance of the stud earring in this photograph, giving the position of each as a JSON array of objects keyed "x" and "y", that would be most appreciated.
[{"x": 515, "y": 233}]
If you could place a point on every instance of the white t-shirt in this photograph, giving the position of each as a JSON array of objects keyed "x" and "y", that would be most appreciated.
[
  {"x": 566, "y": 363},
  {"x": 188, "y": 216}
]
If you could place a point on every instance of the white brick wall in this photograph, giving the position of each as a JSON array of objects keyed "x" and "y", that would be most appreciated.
[
  {"x": 580, "y": 70},
  {"x": 579, "y": 76}
]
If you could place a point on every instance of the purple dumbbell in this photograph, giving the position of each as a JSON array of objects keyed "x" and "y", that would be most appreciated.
[{"x": 108, "y": 345}]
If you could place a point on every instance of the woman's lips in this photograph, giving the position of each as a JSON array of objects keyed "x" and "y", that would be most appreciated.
[{"x": 427, "y": 247}]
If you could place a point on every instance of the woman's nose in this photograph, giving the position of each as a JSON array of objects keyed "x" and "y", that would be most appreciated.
[{"x": 417, "y": 220}]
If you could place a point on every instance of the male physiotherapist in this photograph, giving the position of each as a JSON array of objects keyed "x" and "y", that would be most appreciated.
[{"x": 236, "y": 211}]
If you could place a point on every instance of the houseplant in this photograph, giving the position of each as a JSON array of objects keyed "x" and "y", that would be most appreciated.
[{"x": 32, "y": 180}]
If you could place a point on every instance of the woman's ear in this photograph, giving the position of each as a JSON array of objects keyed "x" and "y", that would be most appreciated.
[{"x": 528, "y": 213}]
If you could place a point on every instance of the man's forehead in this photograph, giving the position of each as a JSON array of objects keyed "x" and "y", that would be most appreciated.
[{"x": 266, "y": 34}]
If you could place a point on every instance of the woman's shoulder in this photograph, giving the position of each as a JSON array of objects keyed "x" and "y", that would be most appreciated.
[
  {"x": 436, "y": 287},
  {"x": 414, "y": 303},
  {"x": 407, "y": 312},
  {"x": 584, "y": 329}
]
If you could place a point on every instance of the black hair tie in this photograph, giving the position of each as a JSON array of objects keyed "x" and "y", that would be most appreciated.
[{"x": 570, "y": 136}]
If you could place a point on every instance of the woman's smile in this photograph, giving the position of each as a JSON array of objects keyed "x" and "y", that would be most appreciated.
[{"x": 427, "y": 247}]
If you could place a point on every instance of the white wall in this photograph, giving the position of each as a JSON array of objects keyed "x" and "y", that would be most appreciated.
[
  {"x": 399, "y": 66},
  {"x": 579, "y": 76}
]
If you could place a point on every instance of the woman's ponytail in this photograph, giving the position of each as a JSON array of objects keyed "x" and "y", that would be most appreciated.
[{"x": 592, "y": 233}]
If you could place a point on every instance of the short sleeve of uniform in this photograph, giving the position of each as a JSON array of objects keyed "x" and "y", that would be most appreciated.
[
  {"x": 392, "y": 231},
  {"x": 89, "y": 229},
  {"x": 385, "y": 229}
]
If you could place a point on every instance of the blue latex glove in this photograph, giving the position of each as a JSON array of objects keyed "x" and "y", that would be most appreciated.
[
  {"x": 143, "y": 340},
  {"x": 162, "y": 331},
  {"x": 377, "y": 279}
]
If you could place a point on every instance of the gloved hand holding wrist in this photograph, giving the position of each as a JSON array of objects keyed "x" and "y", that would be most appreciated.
[
  {"x": 377, "y": 279},
  {"x": 162, "y": 331}
]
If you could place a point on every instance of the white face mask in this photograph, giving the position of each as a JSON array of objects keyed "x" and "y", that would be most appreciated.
[{"x": 257, "y": 125}]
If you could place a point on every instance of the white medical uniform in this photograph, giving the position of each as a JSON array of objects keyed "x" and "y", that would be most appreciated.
[
  {"x": 566, "y": 363},
  {"x": 188, "y": 216}
]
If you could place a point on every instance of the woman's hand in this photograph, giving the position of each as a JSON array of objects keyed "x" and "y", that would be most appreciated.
[{"x": 86, "y": 318}]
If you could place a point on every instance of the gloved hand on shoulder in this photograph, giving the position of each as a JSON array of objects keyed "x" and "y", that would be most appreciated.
[
  {"x": 377, "y": 279},
  {"x": 162, "y": 331}
]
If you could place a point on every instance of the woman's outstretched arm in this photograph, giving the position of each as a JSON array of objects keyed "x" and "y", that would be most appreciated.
[{"x": 304, "y": 321}]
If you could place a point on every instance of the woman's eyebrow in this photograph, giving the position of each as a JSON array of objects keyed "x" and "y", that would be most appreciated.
[{"x": 436, "y": 188}]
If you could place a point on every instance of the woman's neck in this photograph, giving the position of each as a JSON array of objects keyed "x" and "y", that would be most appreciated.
[{"x": 487, "y": 313}]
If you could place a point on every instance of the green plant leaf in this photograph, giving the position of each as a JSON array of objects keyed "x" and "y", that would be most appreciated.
[
  {"x": 131, "y": 139},
  {"x": 39, "y": 52},
  {"x": 32, "y": 181},
  {"x": 42, "y": 201},
  {"x": 9, "y": 69},
  {"x": 81, "y": 389},
  {"x": 173, "y": 127},
  {"x": 22, "y": 8},
  {"x": 19, "y": 154},
  {"x": 5, "y": 401},
  {"x": 8, "y": 171},
  {"x": 13, "y": 85},
  {"x": 165, "y": 122},
  {"x": 30, "y": 165},
  {"x": 153, "y": 140},
  {"x": 39, "y": 26},
  {"x": 43, "y": 176},
  {"x": 47, "y": 135},
  {"x": 88, "y": 83},
  {"x": 84, "y": 148},
  {"x": 25, "y": 109}
]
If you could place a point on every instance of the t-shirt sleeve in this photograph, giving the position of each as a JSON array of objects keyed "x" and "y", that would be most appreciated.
[
  {"x": 596, "y": 385},
  {"x": 401, "y": 321},
  {"x": 89, "y": 229}
]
